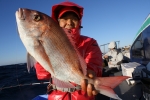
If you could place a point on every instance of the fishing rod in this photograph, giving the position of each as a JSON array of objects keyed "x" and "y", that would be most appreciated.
[{"x": 2, "y": 88}]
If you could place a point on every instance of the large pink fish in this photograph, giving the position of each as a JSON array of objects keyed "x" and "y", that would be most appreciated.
[{"x": 55, "y": 50}]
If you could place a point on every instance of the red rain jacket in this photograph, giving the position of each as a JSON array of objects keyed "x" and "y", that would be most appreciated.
[{"x": 87, "y": 47}]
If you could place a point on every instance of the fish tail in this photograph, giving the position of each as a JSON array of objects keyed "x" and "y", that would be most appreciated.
[{"x": 105, "y": 85}]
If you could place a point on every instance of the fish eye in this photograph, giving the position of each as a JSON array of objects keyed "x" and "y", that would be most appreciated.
[{"x": 36, "y": 17}]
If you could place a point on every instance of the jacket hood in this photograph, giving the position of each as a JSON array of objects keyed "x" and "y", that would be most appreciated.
[
  {"x": 112, "y": 45},
  {"x": 69, "y": 6}
]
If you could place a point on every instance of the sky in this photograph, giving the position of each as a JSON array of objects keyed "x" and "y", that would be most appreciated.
[{"x": 103, "y": 20}]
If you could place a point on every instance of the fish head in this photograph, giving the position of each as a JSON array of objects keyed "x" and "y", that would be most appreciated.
[
  {"x": 31, "y": 22},
  {"x": 32, "y": 25}
]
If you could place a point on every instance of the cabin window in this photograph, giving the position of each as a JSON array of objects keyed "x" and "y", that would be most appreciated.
[
  {"x": 147, "y": 43},
  {"x": 137, "y": 48}
]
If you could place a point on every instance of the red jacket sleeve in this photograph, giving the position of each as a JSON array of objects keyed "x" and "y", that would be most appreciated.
[
  {"x": 41, "y": 73},
  {"x": 93, "y": 56}
]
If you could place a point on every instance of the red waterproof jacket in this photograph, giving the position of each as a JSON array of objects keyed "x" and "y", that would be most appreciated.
[{"x": 87, "y": 47}]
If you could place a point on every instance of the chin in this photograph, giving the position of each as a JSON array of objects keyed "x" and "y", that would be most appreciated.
[{"x": 69, "y": 28}]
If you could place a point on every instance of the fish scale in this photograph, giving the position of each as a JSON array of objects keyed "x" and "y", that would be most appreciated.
[{"x": 58, "y": 60}]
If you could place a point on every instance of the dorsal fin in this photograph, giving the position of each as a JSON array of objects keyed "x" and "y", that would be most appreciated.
[{"x": 82, "y": 61}]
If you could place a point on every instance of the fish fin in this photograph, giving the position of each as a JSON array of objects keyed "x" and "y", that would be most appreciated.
[
  {"x": 30, "y": 62},
  {"x": 111, "y": 82},
  {"x": 105, "y": 85},
  {"x": 107, "y": 91},
  {"x": 81, "y": 59},
  {"x": 62, "y": 84}
]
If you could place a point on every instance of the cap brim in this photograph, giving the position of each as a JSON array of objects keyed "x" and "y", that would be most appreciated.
[{"x": 68, "y": 10}]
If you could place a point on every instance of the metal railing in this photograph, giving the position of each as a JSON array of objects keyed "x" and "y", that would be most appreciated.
[{"x": 104, "y": 45}]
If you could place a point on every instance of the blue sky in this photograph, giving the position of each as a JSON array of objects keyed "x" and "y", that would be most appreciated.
[{"x": 103, "y": 20}]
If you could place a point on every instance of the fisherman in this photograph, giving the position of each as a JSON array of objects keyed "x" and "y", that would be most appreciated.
[
  {"x": 114, "y": 58},
  {"x": 126, "y": 54},
  {"x": 69, "y": 16}
]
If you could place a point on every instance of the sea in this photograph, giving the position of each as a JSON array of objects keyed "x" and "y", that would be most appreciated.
[{"x": 16, "y": 83}]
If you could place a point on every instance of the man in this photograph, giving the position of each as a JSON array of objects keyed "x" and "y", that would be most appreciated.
[
  {"x": 114, "y": 57},
  {"x": 69, "y": 16}
]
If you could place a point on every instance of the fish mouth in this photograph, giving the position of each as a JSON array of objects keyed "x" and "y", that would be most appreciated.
[{"x": 20, "y": 14}]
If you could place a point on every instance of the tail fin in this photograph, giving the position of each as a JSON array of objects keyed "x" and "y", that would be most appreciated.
[{"x": 105, "y": 85}]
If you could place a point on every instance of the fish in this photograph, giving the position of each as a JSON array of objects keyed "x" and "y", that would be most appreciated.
[{"x": 54, "y": 48}]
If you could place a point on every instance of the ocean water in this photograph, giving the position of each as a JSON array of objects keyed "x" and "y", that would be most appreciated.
[{"x": 17, "y": 84}]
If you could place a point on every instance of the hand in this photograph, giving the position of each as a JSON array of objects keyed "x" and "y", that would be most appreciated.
[
  {"x": 88, "y": 88},
  {"x": 91, "y": 74},
  {"x": 105, "y": 56},
  {"x": 109, "y": 63}
]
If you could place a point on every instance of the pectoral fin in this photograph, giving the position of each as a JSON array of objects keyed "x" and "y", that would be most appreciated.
[{"x": 30, "y": 62}]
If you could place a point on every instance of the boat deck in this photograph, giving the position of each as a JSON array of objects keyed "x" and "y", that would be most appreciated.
[{"x": 129, "y": 92}]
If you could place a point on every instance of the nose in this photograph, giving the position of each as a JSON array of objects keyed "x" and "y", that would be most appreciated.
[{"x": 69, "y": 22}]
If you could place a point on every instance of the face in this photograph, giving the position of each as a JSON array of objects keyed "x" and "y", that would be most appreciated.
[
  {"x": 69, "y": 21},
  {"x": 111, "y": 48}
]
